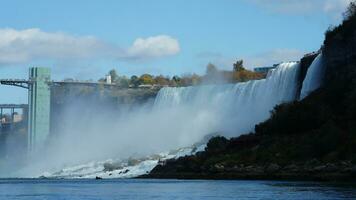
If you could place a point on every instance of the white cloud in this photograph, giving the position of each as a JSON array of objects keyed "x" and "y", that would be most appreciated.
[
  {"x": 287, "y": 6},
  {"x": 153, "y": 47},
  {"x": 18, "y": 46},
  {"x": 21, "y": 46},
  {"x": 333, "y": 8}
]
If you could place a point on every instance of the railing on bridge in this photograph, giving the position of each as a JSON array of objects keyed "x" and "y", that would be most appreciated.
[
  {"x": 15, "y": 106},
  {"x": 16, "y": 82},
  {"x": 25, "y": 83},
  {"x": 89, "y": 83}
]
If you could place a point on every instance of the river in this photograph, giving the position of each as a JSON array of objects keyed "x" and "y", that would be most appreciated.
[{"x": 78, "y": 189}]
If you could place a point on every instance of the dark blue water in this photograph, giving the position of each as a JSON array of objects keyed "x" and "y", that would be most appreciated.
[{"x": 170, "y": 189}]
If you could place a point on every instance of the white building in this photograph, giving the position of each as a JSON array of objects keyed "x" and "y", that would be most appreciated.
[{"x": 108, "y": 79}]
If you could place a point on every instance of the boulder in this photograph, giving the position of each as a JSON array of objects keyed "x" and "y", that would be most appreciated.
[{"x": 272, "y": 168}]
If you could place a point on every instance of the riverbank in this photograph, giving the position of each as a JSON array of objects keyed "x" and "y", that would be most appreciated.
[{"x": 310, "y": 171}]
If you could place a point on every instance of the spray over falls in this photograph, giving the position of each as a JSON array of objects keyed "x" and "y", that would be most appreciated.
[
  {"x": 132, "y": 141},
  {"x": 179, "y": 118}
]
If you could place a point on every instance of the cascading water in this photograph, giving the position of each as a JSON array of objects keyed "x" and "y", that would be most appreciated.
[
  {"x": 179, "y": 118},
  {"x": 314, "y": 76},
  {"x": 237, "y": 107}
]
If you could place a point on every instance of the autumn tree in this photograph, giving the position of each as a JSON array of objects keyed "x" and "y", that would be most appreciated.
[
  {"x": 238, "y": 66},
  {"x": 134, "y": 81},
  {"x": 147, "y": 79},
  {"x": 161, "y": 80}
]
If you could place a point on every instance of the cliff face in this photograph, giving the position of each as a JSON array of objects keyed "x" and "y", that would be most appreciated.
[
  {"x": 311, "y": 139},
  {"x": 340, "y": 46}
]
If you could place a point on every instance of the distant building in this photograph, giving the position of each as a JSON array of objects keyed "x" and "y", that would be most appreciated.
[
  {"x": 145, "y": 86},
  {"x": 264, "y": 70},
  {"x": 17, "y": 117},
  {"x": 108, "y": 79}
]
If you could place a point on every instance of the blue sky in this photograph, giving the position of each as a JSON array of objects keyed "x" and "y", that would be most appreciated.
[{"x": 85, "y": 39}]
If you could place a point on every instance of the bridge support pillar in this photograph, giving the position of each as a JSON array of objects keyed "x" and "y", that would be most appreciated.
[{"x": 39, "y": 108}]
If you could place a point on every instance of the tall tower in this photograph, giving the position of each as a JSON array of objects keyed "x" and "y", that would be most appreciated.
[{"x": 39, "y": 107}]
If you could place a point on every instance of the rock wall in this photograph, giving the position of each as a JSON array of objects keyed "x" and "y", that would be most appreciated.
[{"x": 340, "y": 48}]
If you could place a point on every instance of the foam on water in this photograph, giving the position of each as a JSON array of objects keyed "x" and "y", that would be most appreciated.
[{"x": 121, "y": 168}]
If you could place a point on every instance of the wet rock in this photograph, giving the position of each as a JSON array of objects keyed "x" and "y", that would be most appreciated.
[
  {"x": 292, "y": 168},
  {"x": 318, "y": 168},
  {"x": 236, "y": 168},
  {"x": 353, "y": 169},
  {"x": 219, "y": 167},
  {"x": 345, "y": 164},
  {"x": 124, "y": 171},
  {"x": 272, "y": 168},
  {"x": 331, "y": 168},
  {"x": 346, "y": 169},
  {"x": 249, "y": 168},
  {"x": 258, "y": 170},
  {"x": 312, "y": 163}
]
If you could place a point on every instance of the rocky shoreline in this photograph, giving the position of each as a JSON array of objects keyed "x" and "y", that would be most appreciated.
[{"x": 312, "y": 170}]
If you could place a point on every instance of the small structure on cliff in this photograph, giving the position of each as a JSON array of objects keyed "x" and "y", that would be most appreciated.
[{"x": 264, "y": 70}]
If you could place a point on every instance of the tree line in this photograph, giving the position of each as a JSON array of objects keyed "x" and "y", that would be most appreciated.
[{"x": 213, "y": 75}]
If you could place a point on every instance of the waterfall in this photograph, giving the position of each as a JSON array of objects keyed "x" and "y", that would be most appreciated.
[
  {"x": 236, "y": 107},
  {"x": 313, "y": 78},
  {"x": 179, "y": 118}
]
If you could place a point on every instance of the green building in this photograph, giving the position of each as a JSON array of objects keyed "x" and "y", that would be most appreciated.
[{"x": 39, "y": 107}]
